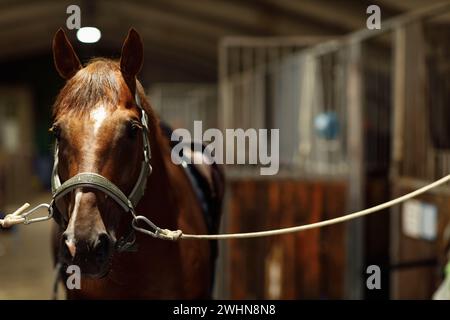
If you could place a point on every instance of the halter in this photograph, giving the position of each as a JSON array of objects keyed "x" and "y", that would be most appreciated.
[{"x": 97, "y": 181}]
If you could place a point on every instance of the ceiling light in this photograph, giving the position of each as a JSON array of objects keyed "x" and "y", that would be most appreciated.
[{"x": 88, "y": 34}]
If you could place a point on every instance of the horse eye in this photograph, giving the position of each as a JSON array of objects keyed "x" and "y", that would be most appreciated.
[
  {"x": 132, "y": 128},
  {"x": 56, "y": 130}
]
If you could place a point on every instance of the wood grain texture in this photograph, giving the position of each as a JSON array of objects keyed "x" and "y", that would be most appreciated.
[
  {"x": 423, "y": 260},
  {"x": 312, "y": 262}
]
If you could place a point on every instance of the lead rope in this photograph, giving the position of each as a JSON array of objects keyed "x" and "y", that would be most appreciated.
[
  {"x": 19, "y": 217},
  {"x": 178, "y": 234}
]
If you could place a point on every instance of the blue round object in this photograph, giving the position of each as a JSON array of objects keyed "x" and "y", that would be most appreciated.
[{"x": 327, "y": 125}]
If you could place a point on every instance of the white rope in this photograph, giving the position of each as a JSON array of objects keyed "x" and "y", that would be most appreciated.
[
  {"x": 317, "y": 224},
  {"x": 20, "y": 217},
  {"x": 14, "y": 218}
]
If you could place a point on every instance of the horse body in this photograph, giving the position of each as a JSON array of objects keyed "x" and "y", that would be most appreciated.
[{"x": 159, "y": 269}]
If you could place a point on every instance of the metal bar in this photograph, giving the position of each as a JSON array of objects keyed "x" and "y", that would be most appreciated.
[
  {"x": 399, "y": 90},
  {"x": 355, "y": 229}
]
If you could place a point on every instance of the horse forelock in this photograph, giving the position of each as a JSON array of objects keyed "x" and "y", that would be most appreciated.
[{"x": 98, "y": 82}]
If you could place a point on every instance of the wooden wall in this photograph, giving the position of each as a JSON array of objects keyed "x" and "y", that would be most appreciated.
[
  {"x": 16, "y": 149},
  {"x": 419, "y": 156},
  {"x": 306, "y": 265},
  {"x": 417, "y": 265}
]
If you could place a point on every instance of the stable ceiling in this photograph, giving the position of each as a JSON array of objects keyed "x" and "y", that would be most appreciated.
[{"x": 182, "y": 36}]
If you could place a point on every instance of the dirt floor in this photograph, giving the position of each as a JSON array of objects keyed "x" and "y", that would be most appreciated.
[{"x": 25, "y": 260}]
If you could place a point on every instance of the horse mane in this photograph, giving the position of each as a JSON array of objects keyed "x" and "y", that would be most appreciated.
[{"x": 100, "y": 81}]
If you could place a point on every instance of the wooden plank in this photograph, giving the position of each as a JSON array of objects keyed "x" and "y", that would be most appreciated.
[
  {"x": 333, "y": 245},
  {"x": 410, "y": 251},
  {"x": 408, "y": 287},
  {"x": 308, "y": 261},
  {"x": 377, "y": 231},
  {"x": 247, "y": 215},
  {"x": 273, "y": 262},
  {"x": 307, "y": 265}
]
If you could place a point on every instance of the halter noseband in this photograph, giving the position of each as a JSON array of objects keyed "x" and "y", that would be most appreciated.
[{"x": 97, "y": 181}]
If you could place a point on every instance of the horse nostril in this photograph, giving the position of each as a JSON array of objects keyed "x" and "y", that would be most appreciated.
[
  {"x": 70, "y": 245},
  {"x": 101, "y": 247}
]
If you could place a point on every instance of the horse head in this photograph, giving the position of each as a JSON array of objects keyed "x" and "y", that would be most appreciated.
[{"x": 97, "y": 125}]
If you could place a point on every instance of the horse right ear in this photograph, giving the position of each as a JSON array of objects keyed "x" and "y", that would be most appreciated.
[
  {"x": 65, "y": 58},
  {"x": 132, "y": 57}
]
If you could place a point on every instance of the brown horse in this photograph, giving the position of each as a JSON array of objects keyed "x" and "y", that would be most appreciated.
[{"x": 97, "y": 124}]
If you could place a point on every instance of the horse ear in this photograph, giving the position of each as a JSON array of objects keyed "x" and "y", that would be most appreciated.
[
  {"x": 132, "y": 56},
  {"x": 65, "y": 58}
]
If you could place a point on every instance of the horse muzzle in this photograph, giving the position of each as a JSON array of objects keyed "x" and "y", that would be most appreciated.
[{"x": 91, "y": 254}]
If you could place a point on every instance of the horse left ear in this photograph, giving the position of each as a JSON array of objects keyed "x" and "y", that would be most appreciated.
[
  {"x": 65, "y": 58},
  {"x": 132, "y": 56}
]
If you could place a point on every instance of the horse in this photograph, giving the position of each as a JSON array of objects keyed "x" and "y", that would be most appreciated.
[{"x": 100, "y": 132}]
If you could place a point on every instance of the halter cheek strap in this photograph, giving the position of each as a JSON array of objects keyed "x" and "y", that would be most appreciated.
[{"x": 97, "y": 181}]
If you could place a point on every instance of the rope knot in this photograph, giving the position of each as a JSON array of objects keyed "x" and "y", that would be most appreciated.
[
  {"x": 166, "y": 234},
  {"x": 11, "y": 220}
]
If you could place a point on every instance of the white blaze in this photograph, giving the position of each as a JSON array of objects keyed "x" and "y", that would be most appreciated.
[
  {"x": 98, "y": 115},
  {"x": 70, "y": 242}
]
